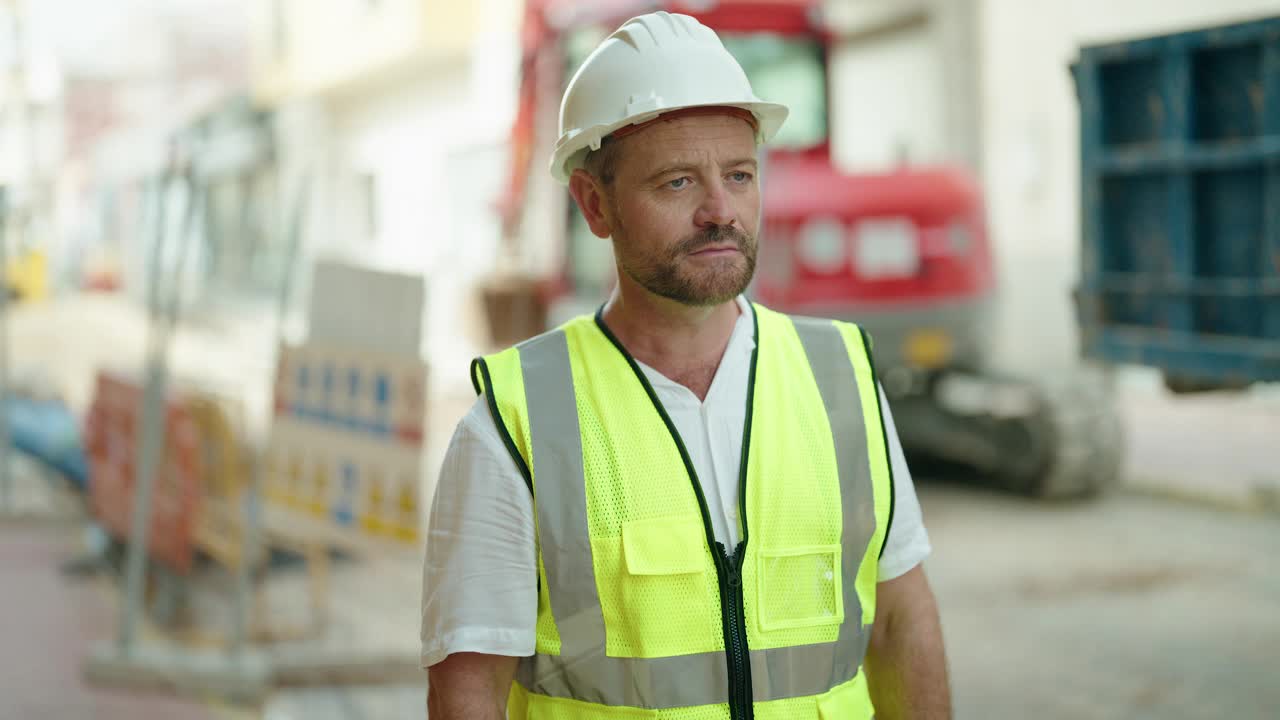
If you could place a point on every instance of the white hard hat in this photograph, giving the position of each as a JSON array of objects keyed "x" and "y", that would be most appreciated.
[{"x": 653, "y": 64}]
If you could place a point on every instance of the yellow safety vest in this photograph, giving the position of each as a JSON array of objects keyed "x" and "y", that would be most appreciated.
[{"x": 641, "y": 613}]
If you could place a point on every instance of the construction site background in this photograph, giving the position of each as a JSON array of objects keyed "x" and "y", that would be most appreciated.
[{"x": 218, "y": 165}]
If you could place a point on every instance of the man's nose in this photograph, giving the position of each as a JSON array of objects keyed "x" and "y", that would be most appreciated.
[{"x": 716, "y": 208}]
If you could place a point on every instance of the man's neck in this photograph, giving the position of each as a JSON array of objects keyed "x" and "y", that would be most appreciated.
[{"x": 683, "y": 343}]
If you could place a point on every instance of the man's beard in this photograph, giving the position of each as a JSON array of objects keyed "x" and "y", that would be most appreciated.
[{"x": 668, "y": 275}]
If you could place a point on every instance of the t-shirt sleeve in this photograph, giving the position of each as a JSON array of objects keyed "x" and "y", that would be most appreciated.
[
  {"x": 908, "y": 542},
  {"x": 479, "y": 580}
]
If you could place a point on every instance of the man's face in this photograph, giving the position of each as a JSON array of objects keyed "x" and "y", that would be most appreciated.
[{"x": 684, "y": 208}]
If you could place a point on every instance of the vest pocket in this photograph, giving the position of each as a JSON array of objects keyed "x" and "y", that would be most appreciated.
[
  {"x": 658, "y": 601},
  {"x": 662, "y": 546},
  {"x": 799, "y": 587}
]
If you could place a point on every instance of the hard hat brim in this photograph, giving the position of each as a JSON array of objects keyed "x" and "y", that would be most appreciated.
[{"x": 571, "y": 149}]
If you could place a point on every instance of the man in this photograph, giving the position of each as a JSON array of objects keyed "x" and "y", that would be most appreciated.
[{"x": 687, "y": 506}]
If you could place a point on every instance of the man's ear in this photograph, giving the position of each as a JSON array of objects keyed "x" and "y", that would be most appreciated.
[{"x": 589, "y": 195}]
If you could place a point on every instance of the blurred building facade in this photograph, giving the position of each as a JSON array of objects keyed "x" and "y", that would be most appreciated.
[
  {"x": 904, "y": 78},
  {"x": 92, "y": 94},
  {"x": 32, "y": 130},
  {"x": 395, "y": 114}
]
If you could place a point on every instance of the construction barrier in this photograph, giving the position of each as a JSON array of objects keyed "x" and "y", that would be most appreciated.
[
  {"x": 111, "y": 438},
  {"x": 346, "y": 445}
]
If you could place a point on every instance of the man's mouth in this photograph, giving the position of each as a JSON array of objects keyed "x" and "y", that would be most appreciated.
[{"x": 716, "y": 250}]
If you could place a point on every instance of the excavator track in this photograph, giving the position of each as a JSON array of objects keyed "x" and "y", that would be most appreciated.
[
  {"x": 1086, "y": 447},
  {"x": 1057, "y": 439}
]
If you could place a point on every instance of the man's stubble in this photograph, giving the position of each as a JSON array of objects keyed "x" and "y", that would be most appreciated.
[{"x": 672, "y": 275}]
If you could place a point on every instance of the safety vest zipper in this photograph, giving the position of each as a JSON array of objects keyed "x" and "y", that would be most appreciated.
[
  {"x": 728, "y": 567},
  {"x": 735, "y": 631}
]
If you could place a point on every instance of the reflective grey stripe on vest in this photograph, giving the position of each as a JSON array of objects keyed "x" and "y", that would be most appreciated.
[
  {"x": 560, "y": 493},
  {"x": 582, "y": 671},
  {"x": 838, "y": 385}
]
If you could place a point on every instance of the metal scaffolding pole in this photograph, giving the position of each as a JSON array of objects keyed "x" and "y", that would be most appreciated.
[
  {"x": 239, "y": 675},
  {"x": 253, "y": 493},
  {"x": 164, "y": 309}
]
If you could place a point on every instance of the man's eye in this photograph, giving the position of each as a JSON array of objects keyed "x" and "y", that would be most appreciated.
[
  {"x": 678, "y": 183},
  {"x": 740, "y": 176}
]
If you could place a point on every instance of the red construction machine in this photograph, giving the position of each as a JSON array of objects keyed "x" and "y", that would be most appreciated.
[{"x": 904, "y": 253}]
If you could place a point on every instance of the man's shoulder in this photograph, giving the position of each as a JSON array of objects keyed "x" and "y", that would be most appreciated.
[{"x": 476, "y": 424}]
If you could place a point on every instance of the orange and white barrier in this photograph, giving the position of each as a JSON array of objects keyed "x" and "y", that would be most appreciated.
[{"x": 111, "y": 437}]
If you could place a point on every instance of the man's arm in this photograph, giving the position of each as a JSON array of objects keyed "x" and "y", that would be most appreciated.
[
  {"x": 470, "y": 686},
  {"x": 479, "y": 579},
  {"x": 906, "y": 664}
]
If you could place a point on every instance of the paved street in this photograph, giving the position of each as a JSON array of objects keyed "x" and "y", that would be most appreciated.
[
  {"x": 1127, "y": 608},
  {"x": 1219, "y": 448},
  {"x": 48, "y": 625}
]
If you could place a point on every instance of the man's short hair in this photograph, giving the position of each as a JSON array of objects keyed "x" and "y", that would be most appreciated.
[{"x": 603, "y": 163}]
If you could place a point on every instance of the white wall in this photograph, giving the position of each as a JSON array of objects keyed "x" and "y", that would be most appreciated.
[
  {"x": 905, "y": 65},
  {"x": 434, "y": 143},
  {"x": 904, "y": 82},
  {"x": 1030, "y": 138}
]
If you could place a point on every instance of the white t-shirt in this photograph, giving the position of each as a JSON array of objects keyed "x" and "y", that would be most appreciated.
[{"x": 479, "y": 583}]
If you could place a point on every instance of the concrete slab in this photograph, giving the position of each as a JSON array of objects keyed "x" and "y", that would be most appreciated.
[
  {"x": 1126, "y": 607},
  {"x": 1217, "y": 449},
  {"x": 243, "y": 678}
]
